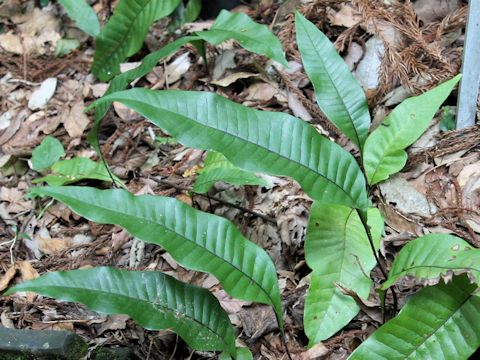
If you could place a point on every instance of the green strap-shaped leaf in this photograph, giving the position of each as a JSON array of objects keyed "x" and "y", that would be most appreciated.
[
  {"x": 258, "y": 141},
  {"x": 338, "y": 93},
  {"x": 431, "y": 256},
  {"x": 218, "y": 168},
  {"x": 384, "y": 152},
  {"x": 83, "y": 15},
  {"x": 196, "y": 240},
  {"x": 124, "y": 33},
  {"x": 155, "y": 300},
  {"x": 338, "y": 251},
  {"x": 251, "y": 36},
  {"x": 441, "y": 322},
  {"x": 76, "y": 169},
  {"x": 121, "y": 81}
]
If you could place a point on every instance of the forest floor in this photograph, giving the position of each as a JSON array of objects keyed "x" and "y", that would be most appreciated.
[{"x": 394, "y": 50}]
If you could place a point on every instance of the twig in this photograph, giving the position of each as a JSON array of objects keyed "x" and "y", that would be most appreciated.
[{"x": 221, "y": 201}]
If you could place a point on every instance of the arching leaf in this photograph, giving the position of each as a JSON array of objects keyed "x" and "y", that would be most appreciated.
[
  {"x": 196, "y": 240},
  {"x": 218, "y": 168},
  {"x": 441, "y": 322},
  {"x": 258, "y": 141},
  {"x": 84, "y": 16},
  {"x": 338, "y": 251},
  {"x": 338, "y": 93},
  {"x": 384, "y": 152},
  {"x": 124, "y": 33},
  {"x": 430, "y": 257},
  {"x": 254, "y": 37},
  {"x": 121, "y": 81},
  {"x": 155, "y": 300},
  {"x": 75, "y": 170}
]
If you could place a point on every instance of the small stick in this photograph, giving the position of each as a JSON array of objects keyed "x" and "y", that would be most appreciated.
[{"x": 221, "y": 201}]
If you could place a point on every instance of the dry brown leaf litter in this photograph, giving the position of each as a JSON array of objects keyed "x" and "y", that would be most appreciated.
[{"x": 445, "y": 174}]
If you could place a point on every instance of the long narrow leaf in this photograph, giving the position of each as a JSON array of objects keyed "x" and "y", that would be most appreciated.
[
  {"x": 155, "y": 300},
  {"x": 124, "y": 33},
  {"x": 441, "y": 322},
  {"x": 75, "y": 170},
  {"x": 121, "y": 81},
  {"x": 384, "y": 152},
  {"x": 196, "y": 240},
  {"x": 258, "y": 141},
  {"x": 83, "y": 15},
  {"x": 251, "y": 36},
  {"x": 218, "y": 168},
  {"x": 430, "y": 257},
  {"x": 338, "y": 94},
  {"x": 338, "y": 251}
]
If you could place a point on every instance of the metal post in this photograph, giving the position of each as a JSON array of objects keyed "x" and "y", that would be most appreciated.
[{"x": 470, "y": 84}]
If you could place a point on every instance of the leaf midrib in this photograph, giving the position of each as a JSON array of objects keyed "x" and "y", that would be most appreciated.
[
  {"x": 452, "y": 314},
  {"x": 405, "y": 272},
  {"x": 255, "y": 144},
  {"x": 344, "y": 249},
  {"x": 138, "y": 300},
  {"x": 188, "y": 240},
  {"x": 122, "y": 42},
  {"x": 338, "y": 93}
]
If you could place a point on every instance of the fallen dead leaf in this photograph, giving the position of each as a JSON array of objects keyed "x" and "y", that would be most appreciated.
[
  {"x": 264, "y": 92},
  {"x": 6, "y": 321},
  {"x": 405, "y": 198},
  {"x": 297, "y": 108},
  {"x": 43, "y": 94},
  {"x": 114, "y": 322},
  {"x": 49, "y": 245},
  {"x": 7, "y": 277},
  {"x": 430, "y": 10},
  {"x": 230, "y": 79},
  {"x": 177, "y": 68},
  {"x": 76, "y": 122},
  {"x": 224, "y": 61},
  {"x": 124, "y": 112},
  {"x": 346, "y": 17},
  {"x": 27, "y": 273}
]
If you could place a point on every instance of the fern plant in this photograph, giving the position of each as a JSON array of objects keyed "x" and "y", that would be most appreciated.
[{"x": 344, "y": 229}]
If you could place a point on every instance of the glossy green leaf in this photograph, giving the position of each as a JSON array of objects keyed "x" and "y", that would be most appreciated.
[
  {"x": 47, "y": 153},
  {"x": 338, "y": 93},
  {"x": 75, "y": 170},
  {"x": 155, "y": 300},
  {"x": 252, "y": 36},
  {"x": 441, "y": 322},
  {"x": 384, "y": 153},
  {"x": 242, "y": 354},
  {"x": 196, "y": 240},
  {"x": 433, "y": 256},
  {"x": 338, "y": 251},
  {"x": 185, "y": 13},
  {"x": 83, "y": 15},
  {"x": 121, "y": 81},
  {"x": 218, "y": 168},
  {"x": 124, "y": 33},
  {"x": 258, "y": 141},
  {"x": 66, "y": 46}
]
